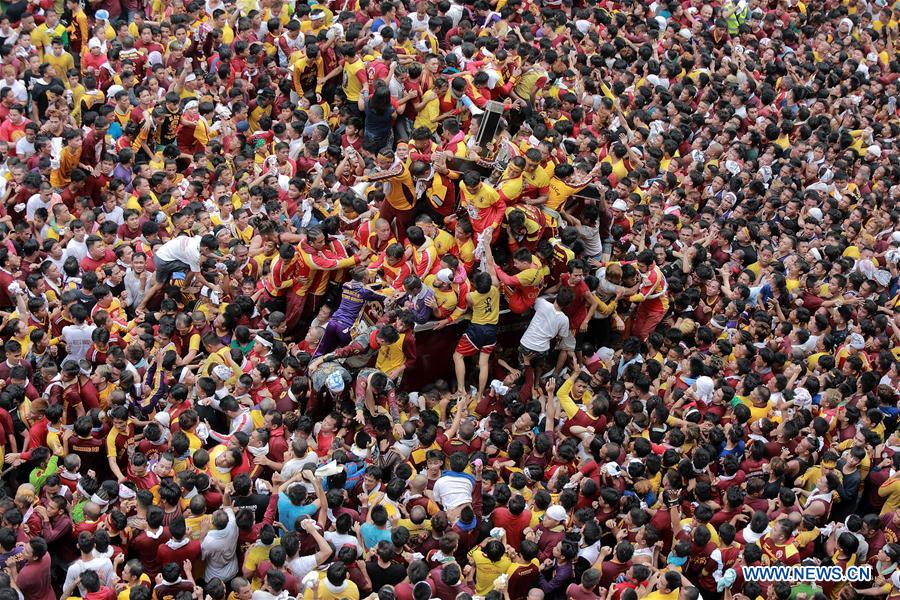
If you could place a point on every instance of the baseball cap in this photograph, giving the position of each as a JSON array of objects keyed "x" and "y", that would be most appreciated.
[
  {"x": 94, "y": 43},
  {"x": 335, "y": 383},
  {"x": 557, "y": 513},
  {"x": 620, "y": 205},
  {"x": 445, "y": 276}
]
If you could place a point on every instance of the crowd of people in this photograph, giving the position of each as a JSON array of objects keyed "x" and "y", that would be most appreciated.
[{"x": 288, "y": 310}]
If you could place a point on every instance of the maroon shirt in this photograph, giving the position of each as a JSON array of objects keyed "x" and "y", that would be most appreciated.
[
  {"x": 34, "y": 580},
  {"x": 576, "y": 592},
  {"x": 442, "y": 591},
  {"x": 147, "y": 550}
]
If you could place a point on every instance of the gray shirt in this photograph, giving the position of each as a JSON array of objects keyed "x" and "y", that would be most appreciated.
[{"x": 219, "y": 550}]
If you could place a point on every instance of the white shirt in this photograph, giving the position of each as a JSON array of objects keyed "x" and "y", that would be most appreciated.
[
  {"x": 102, "y": 566},
  {"x": 339, "y": 540},
  {"x": 24, "y": 148},
  {"x": 455, "y": 13},
  {"x": 34, "y": 203},
  {"x": 546, "y": 324},
  {"x": 183, "y": 248},
  {"x": 241, "y": 422},
  {"x": 78, "y": 340},
  {"x": 451, "y": 491},
  {"x": 135, "y": 291},
  {"x": 295, "y": 465},
  {"x": 301, "y": 566},
  {"x": 76, "y": 249},
  {"x": 417, "y": 23},
  {"x": 18, "y": 88},
  {"x": 115, "y": 215}
]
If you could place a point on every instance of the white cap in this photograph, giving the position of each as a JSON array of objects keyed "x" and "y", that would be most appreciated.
[
  {"x": 556, "y": 512},
  {"x": 190, "y": 77},
  {"x": 815, "y": 213},
  {"x": 620, "y": 205},
  {"x": 335, "y": 383},
  {"x": 329, "y": 469},
  {"x": 856, "y": 341},
  {"x": 802, "y": 397},
  {"x": 94, "y": 43},
  {"x": 874, "y": 150},
  {"x": 163, "y": 418},
  {"x": 192, "y": 105},
  {"x": 222, "y": 372},
  {"x": 445, "y": 276}
]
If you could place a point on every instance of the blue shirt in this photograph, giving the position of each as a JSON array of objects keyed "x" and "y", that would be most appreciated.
[
  {"x": 288, "y": 513},
  {"x": 371, "y": 535}
]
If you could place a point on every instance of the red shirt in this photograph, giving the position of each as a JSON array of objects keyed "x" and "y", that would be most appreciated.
[
  {"x": 512, "y": 524},
  {"x": 38, "y": 433},
  {"x": 92, "y": 264},
  {"x": 578, "y": 309}
]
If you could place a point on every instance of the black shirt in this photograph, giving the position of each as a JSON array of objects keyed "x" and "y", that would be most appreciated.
[{"x": 381, "y": 576}]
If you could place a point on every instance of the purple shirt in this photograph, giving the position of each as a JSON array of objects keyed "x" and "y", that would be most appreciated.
[{"x": 354, "y": 296}]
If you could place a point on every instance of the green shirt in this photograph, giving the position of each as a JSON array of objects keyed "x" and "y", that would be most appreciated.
[{"x": 39, "y": 477}]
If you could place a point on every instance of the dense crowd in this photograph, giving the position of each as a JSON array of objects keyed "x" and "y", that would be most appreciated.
[{"x": 289, "y": 310}]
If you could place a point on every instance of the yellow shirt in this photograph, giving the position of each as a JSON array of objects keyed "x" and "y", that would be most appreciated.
[
  {"x": 567, "y": 402},
  {"x": 54, "y": 442},
  {"x": 531, "y": 277},
  {"x": 756, "y": 413},
  {"x": 126, "y": 593},
  {"x": 214, "y": 359},
  {"x": 443, "y": 242},
  {"x": 390, "y": 356},
  {"x": 194, "y": 524},
  {"x": 352, "y": 85},
  {"x": 349, "y": 591},
  {"x": 486, "y": 570},
  {"x": 890, "y": 490},
  {"x": 256, "y": 554},
  {"x": 62, "y": 63},
  {"x": 42, "y": 36},
  {"x": 619, "y": 168},
  {"x": 446, "y": 301},
  {"x": 560, "y": 192},
  {"x": 657, "y": 595},
  {"x": 539, "y": 179},
  {"x": 427, "y": 117},
  {"x": 511, "y": 187},
  {"x": 214, "y": 470},
  {"x": 485, "y": 307}
]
